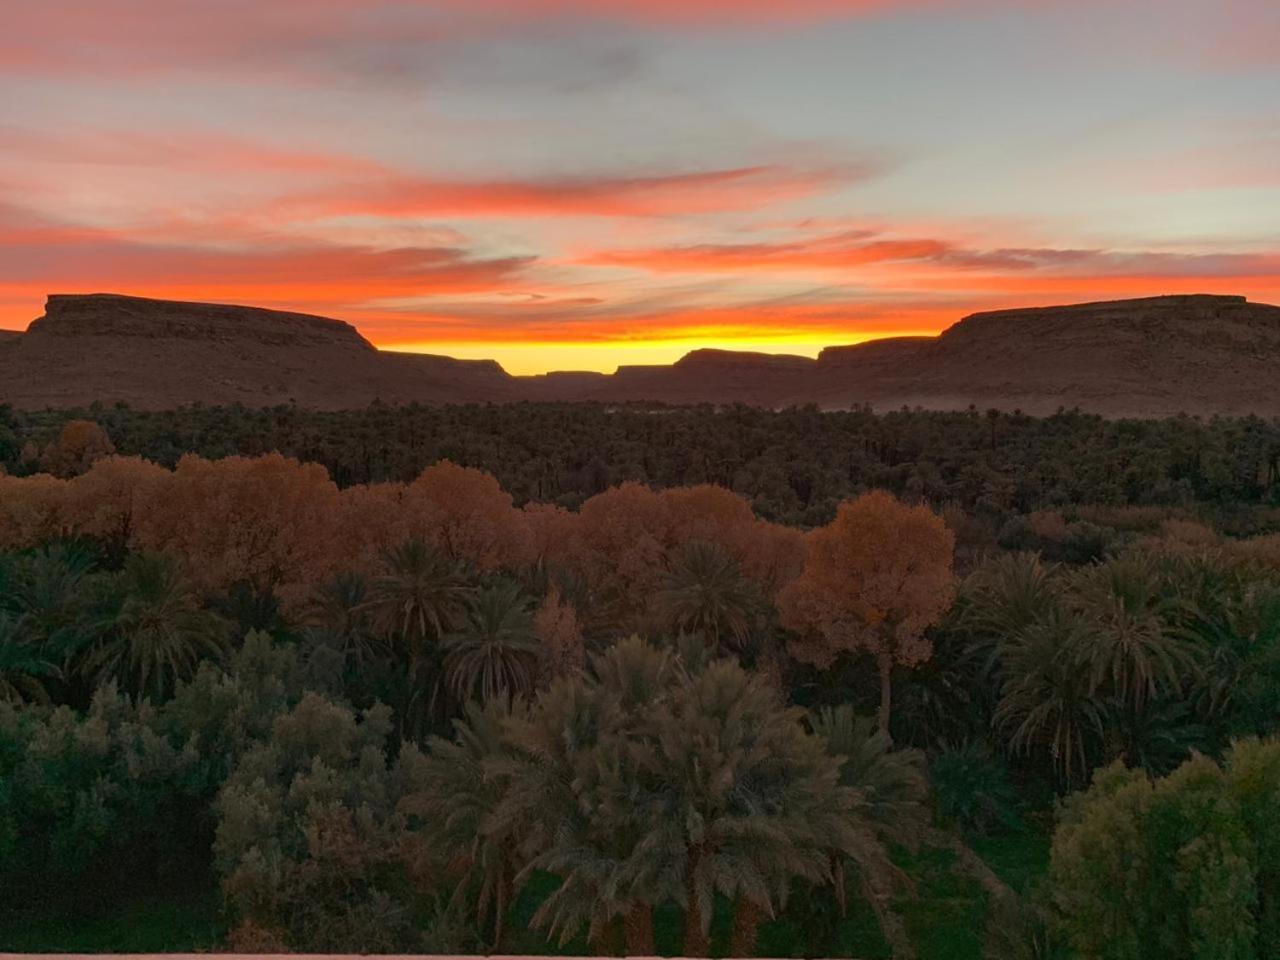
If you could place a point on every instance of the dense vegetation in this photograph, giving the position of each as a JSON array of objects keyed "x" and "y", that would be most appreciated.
[
  {"x": 1027, "y": 705},
  {"x": 793, "y": 466}
]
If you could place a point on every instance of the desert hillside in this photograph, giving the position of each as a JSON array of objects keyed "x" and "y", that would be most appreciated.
[
  {"x": 1148, "y": 357},
  {"x": 160, "y": 353}
]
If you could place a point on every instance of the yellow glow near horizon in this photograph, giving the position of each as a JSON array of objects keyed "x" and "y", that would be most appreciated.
[{"x": 605, "y": 356}]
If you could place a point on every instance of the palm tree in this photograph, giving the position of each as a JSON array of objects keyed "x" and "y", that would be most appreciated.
[
  {"x": 706, "y": 592},
  {"x": 1047, "y": 696},
  {"x": 340, "y": 617},
  {"x": 51, "y": 589},
  {"x": 1133, "y": 648},
  {"x": 890, "y": 793},
  {"x": 23, "y": 668},
  {"x": 583, "y": 801},
  {"x": 459, "y": 785},
  {"x": 153, "y": 630},
  {"x": 495, "y": 652},
  {"x": 1236, "y": 630},
  {"x": 743, "y": 800},
  {"x": 422, "y": 596},
  {"x": 1000, "y": 600}
]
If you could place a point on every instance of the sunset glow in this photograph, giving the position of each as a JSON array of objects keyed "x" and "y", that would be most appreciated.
[{"x": 573, "y": 185}]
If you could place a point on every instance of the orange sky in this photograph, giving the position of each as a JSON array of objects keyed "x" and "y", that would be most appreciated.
[{"x": 563, "y": 184}]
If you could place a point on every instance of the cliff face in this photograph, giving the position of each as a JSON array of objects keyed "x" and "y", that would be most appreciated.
[
  {"x": 1145, "y": 357},
  {"x": 157, "y": 353},
  {"x": 1149, "y": 357},
  {"x": 114, "y": 316}
]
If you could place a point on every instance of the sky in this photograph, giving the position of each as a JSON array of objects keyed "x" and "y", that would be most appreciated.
[{"x": 578, "y": 184}]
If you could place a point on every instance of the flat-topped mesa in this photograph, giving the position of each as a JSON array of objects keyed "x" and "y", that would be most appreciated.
[
  {"x": 1181, "y": 316},
  {"x": 1155, "y": 356},
  {"x": 114, "y": 315},
  {"x": 711, "y": 357},
  {"x": 885, "y": 349}
]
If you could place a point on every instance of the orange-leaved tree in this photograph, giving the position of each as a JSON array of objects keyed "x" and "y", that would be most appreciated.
[
  {"x": 80, "y": 444},
  {"x": 874, "y": 579}
]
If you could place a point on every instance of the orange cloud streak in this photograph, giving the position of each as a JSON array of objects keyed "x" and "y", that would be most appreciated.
[{"x": 640, "y": 196}]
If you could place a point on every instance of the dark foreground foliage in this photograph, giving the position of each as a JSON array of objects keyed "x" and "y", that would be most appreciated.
[{"x": 243, "y": 706}]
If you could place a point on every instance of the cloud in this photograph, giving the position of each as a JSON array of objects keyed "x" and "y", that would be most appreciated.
[
  {"x": 202, "y": 152},
  {"x": 388, "y": 40},
  {"x": 39, "y": 256},
  {"x": 674, "y": 194},
  {"x": 851, "y": 249}
]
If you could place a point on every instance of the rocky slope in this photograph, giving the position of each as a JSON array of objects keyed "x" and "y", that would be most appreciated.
[
  {"x": 1149, "y": 357},
  {"x": 158, "y": 353}
]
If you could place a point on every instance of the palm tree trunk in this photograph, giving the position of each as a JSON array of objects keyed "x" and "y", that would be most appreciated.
[
  {"x": 746, "y": 926},
  {"x": 605, "y": 943},
  {"x": 837, "y": 876},
  {"x": 639, "y": 930},
  {"x": 885, "y": 663},
  {"x": 696, "y": 941},
  {"x": 891, "y": 925},
  {"x": 500, "y": 907}
]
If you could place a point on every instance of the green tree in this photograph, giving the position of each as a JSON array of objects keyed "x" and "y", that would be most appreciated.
[
  {"x": 706, "y": 592},
  {"x": 1179, "y": 867},
  {"x": 744, "y": 800},
  {"x": 458, "y": 786},
  {"x": 581, "y": 799},
  {"x": 310, "y": 842},
  {"x": 421, "y": 596},
  {"x": 1132, "y": 650},
  {"x": 888, "y": 806},
  {"x": 1047, "y": 698},
  {"x": 494, "y": 654},
  {"x": 23, "y": 666},
  {"x": 153, "y": 630}
]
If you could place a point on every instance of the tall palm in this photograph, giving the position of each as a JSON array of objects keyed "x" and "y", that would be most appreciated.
[
  {"x": 1001, "y": 599},
  {"x": 744, "y": 801},
  {"x": 494, "y": 654},
  {"x": 457, "y": 786},
  {"x": 1133, "y": 648},
  {"x": 23, "y": 666},
  {"x": 421, "y": 596},
  {"x": 51, "y": 589},
  {"x": 580, "y": 791},
  {"x": 1047, "y": 697},
  {"x": 339, "y": 613},
  {"x": 706, "y": 592},
  {"x": 153, "y": 629},
  {"x": 891, "y": 789},
  {"x": 1236, "y": 631}
]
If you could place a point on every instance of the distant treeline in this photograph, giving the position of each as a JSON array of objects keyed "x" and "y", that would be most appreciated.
[{"x": 793, "y": 466}]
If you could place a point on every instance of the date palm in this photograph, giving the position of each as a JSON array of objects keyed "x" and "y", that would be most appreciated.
[
  {"x": 581, "y": 792},
  {"x": 51, "y": 589},
  {"x": 339, "y": 617},
  {"x": 23, "y": 667},
  {"x": 421, "y": 596},
  {"x": 1236, "y": 630},
  {"x": 1047, "y": 697},
  {"x": 743, "y": 801},
  {"x": 1133, "y": 649},
  {"x": 494, "y": 654},
  {"x": 152, "y": 629},
  {"x": 1001, "y": 599},
  {"x": 458, "y": 786},
  {"x": 706, "y": 592},
  {"x": 889, "y": 806}
]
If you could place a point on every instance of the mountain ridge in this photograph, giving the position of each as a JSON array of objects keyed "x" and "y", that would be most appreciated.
[{"x": 1150, "y": 356}]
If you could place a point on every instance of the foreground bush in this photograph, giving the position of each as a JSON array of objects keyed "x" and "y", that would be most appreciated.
[{"x": 1186, "y": 866}]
